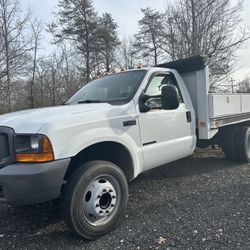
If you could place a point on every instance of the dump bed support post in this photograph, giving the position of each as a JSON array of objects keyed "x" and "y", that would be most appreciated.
[{"x": 203, "y": 115}]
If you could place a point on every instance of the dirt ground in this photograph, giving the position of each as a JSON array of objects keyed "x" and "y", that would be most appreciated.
[{"x": 201, "y": 202}]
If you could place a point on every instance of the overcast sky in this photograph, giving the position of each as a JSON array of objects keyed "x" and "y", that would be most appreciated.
[{"x": 127, "y": 13}]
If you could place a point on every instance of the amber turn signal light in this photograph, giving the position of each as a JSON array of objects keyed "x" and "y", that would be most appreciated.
[{"x": 46, "y": 153}]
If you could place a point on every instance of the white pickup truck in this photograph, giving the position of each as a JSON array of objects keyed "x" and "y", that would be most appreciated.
[{"x": 109, "y": 132}]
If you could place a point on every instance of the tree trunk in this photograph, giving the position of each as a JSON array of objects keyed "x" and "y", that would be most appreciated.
[
  {"x": 7, "y": 58},
  {"x": 67, "y": 75},
  {"x": 33, "y": 77},
  {"x": 53, "y": 89},
  {"x": 107, "y": 59},
  {"x": 194, "y": 27}
]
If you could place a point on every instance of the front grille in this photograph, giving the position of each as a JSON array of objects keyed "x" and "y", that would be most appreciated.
[
  {"x": 4, "y": 149},
  {"x": 6, "y": 146},
  {"x": 1, "y": 192}
]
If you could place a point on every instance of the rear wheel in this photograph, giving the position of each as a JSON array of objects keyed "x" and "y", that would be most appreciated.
[
  {"x": 228, "y": 143},
  {"x": 94, "y": 199},
  {"x": 242, "y": 144}
]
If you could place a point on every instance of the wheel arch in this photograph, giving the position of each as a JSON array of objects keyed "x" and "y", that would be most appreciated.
[{"x": 114, "y": 152}]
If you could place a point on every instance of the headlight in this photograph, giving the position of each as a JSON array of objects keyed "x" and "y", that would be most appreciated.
[{"x": 33, "y": 148}]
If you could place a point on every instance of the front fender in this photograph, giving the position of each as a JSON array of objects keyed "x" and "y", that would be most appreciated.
[{"x": 69, "y": 143}]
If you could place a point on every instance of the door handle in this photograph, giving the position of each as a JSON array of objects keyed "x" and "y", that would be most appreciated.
[
  {"x": 189, "y": 116},
  {"x": 129, "y": 123}
]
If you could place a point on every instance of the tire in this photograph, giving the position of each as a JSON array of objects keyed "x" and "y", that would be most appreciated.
[
  {"x": 228, "y": 143},
  {"x": 95, "y": 198},
  {"x": 242, "y": 144}
]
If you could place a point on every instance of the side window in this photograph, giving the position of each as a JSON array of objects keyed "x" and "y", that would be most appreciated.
[{"x": 154, "y": 88}]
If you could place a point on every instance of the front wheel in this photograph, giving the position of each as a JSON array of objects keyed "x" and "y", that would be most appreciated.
[{"x": 94, "y": 199}]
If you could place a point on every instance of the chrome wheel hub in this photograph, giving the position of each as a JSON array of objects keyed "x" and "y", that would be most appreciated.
[{"x": 100, "y": 200}]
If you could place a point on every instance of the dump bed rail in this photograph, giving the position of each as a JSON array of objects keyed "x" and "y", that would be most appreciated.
[{"x": 228, "y": 109}]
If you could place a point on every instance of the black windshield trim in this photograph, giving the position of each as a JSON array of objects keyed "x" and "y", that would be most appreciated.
[{"x": 91, "y": 101}]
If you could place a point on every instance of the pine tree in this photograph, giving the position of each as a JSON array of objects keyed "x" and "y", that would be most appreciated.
[
  {"x": 108, "y": 38},
  {"x": 148, "y": 38},
  {"x": 78, "y": 22}
]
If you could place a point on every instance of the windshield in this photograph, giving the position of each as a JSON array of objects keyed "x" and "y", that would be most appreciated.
[{"x": 118, "y": 88}]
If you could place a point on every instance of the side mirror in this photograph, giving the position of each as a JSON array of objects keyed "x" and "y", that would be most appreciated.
[
  {"x": 143, "y": 107},
  {"x": 169, "y": 97}
]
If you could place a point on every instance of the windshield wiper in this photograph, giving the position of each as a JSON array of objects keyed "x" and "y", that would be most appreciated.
[{"x": 90, "y": 101}]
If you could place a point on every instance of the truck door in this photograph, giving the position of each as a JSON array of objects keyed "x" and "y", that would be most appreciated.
[{"x": 166, "y": 135}]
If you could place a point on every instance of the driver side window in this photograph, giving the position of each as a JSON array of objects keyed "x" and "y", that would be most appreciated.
[{"x": 154, "y": 89}]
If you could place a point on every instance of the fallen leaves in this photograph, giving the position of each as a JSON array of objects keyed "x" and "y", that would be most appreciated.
[{"x": 162, "y": 240}]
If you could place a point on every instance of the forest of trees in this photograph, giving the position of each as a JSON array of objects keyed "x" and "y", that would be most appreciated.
[{"x": 87, "y": 45}]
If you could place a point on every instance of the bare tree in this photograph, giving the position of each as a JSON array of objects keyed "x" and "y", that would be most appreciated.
[
  {"x": 57, "y": 77},
  {"x": 205, "y": 27},
  {"x": 14, "y": 46},
  {"x": 70, "y": 69},
  {"x": 54, "y": 84},
  {"x": 65, "y": 52},
  {"x": 37, "y": 29},
  {"x": 244, "y": 85},
  {"x": 125, "y": 54}
]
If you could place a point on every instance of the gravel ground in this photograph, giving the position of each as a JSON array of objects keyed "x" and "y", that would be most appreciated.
[{"x": 201, "y": 202}]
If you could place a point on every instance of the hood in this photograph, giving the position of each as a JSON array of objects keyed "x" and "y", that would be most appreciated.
[{"x": 31, "y": 121}]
